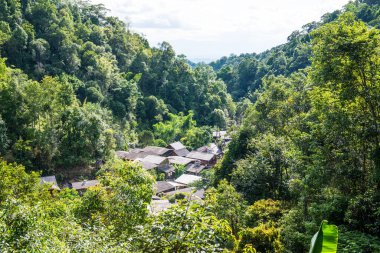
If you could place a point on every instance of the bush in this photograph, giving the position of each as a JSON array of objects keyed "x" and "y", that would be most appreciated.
[
  {"x": 265, "y": 239},
  {"x": 263, "y": 211}
]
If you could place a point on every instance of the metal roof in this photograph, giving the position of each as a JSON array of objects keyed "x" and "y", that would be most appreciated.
[
  {"x": 154, "y": 159},
  {"x": 156, "y": 150},
  {"x": 201, "y": 156},
  {"x": 162, "y": 186},
  {"x": 180, "y": 160},
  {"x": 187, "y": 179},
  {"x": 177, "y": 145}
]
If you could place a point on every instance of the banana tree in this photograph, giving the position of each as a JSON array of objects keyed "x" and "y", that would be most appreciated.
[{"x": 325, "y": 240}]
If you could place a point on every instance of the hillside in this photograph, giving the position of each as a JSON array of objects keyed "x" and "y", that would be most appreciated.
[{"x": 110, "y": 145}]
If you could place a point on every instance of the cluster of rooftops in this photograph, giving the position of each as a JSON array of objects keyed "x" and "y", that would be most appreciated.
[{"x": 165, "y": 160}]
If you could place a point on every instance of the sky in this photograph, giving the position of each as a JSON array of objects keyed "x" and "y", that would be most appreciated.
[{"x": 205, "y": 30}]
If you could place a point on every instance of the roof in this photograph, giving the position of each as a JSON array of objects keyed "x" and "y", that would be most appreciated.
[
  {"x": 201, "y": 156},
  {"x": 163, "y": 186},
  {"x": 219, "y": 134},
  {"x": 180, "y": 160},
  {"x": 157, "y": 206},
  {"x": 181, "y": 152},
  {"x": 212, "y": 148},
  {"x": 132, "y": 155},
  {"x": 84, "y": 184},
  {"x": 146, "y": 164},
  {"x": 156, "y": 150},
  {"x": 154, "y": 159},
  {"x": 176, "y": 146},
  {"x": 195, "y": 168},
  {"x": 198, "y": 193},
  {"x": 177, "y": 185},
  {"x": 187, "y": 179},
  {"x": 167, "y": 169},
  {"x": 50, "y": 180}
]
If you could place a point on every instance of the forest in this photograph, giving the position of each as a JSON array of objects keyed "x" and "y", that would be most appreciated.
[{"x": 76, "y": 85}]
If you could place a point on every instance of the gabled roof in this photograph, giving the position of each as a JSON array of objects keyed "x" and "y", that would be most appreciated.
[
  {"x": 146, "y": 164},
  {"x": 132, "y": 155},
  {"x": 181, "y": 152},
  {"x": 180, "y": 160},
  {"x": 156, "y": 150},
  {"x": 187, "y": 179},
  {"x": 50, "y": 180},
  {"x": 154, "y": 159},
  {"x": 191, "y": 190},
  {"x": 163, "y": 186},
  {"x": 176, "y": 146},
  {"x": 84, "y": 184},
  {"x": 200, "y": 156},
  {"x": 212, "y": 148},
  {"x": 196, "y": 168},
  {"x": 167, "y": 169}
]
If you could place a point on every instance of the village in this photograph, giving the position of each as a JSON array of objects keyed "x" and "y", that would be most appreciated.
[{"x": 178, "y": 170}]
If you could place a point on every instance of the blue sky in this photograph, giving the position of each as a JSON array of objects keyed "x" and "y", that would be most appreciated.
[{"x": 210, "y": 29}]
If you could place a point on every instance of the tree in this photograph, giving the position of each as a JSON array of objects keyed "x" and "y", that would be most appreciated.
[
  {"x": 187, "y": 228},
  {"x": 227, "y": 204},
  {"x": 346, "y": 68}
]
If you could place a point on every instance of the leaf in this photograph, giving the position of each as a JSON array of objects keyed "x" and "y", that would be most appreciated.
[{"x": 325, "y": 240}]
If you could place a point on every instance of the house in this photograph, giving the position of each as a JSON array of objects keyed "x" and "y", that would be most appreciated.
[
  {"x": 159, "y": 163},
  {"x": 132, "y": 155},
  {"x": 179, "y": 160},
  {"x": 163, "y": 186},
  {"x": 205, "y": 158},
  {"x": 84, "y": 185},
  {"x": 222, "y": 135},
  {"x": 188, "y": 179},
  {"x": 212, "y": 148},
  {"x": 178, "y": 148},
  {"x": 190, "y": 190},
  {"x": 159, "y": 151},
  {"x": 195, "y": 168},
  {"x": 50, "y": 180},
  {"x": 146, "y": 164}
]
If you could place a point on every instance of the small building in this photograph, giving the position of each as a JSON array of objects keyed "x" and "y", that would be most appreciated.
[
  {"x": 146, "y": 164},
  {"x": 159, "y": 151},
  {"x": 187, "y": 179},
  {"x": 195, "y": 168},
  {"x": 161, "y": 164},
  {"x": 205, "y": 158},
  {"x": 193, "y": 192},
  {"x": 83, "y": 185},
  {"x": 179, "y": 160},
  {"x": 132, "y": 155},
  {"x": 50, "y": 180},
  {"x": 179, "y": 149},
  {"x": 163, "y": 186},
  {"x": 212, "y": 148}
]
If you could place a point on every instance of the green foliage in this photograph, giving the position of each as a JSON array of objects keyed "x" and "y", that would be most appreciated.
[
  {"x": 354, "y": 241},
  {"x": 187, "y": 228},
  {"x": 263, "y": 211},
  {"x": 325, "y": 240},
  {"x": 227, "y": 204},
  {"x": 182, "y": 127},
  {"x": 264, "y": 238}
]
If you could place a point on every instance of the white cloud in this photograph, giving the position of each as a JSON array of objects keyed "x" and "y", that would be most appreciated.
[{"x": 213, "y": 28}]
